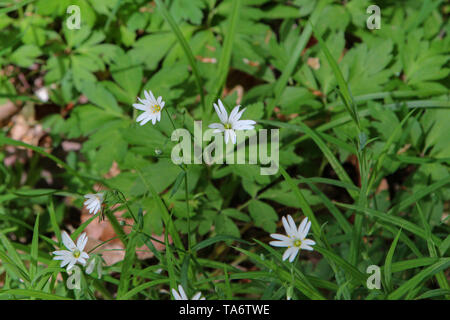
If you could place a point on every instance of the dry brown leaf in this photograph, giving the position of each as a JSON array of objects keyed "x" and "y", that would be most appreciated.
[{"x": 313, "y": 63}]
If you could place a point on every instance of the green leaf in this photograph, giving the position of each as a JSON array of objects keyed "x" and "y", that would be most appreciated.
[
  {"x": 263, "y": 215},
  {"x": 127, "y": 264},
  {"x": 281, "y": 83},
  {"x": 187, "y": 50},
  {"x": 128, "y": 74},
  {"x": 412, "y": 283},
  {"x": 388, "y": 262},
  {"x": 26, "y": 55},
  {"x": 226, "y": 226},
  {"x": 33, "y": 294},
  {"x": 34, "y": 249},
  {"x": 225, "y": 57}
]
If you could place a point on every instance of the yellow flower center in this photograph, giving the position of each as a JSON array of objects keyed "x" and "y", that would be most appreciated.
[
  {"x": 76, "y": 253},
  {"x": 297, "y": 243},
  {"x": 227, "y": 126},
  {"x": 156, "y": 108}
]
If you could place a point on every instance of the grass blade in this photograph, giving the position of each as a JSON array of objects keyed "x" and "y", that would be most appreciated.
[
  {"x": 388, "y": 262},
  {"x": 225, "y": 57},
  {"x": 187, "y": 50},
  {"x": 411, "y": 284},
  {"x": 34, "y": 294},
  {"x": 342, "y": 174},
  {"x": 34, "y": 249},
  {"x": 295, "y": 56}
]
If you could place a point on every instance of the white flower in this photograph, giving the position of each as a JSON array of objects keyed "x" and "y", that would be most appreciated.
[
  {"x": 94, "y": 261},
  {"x": 232, "y": 123},
  {"x": 295, "y": 239},
  {"x": 152, "y": 108},
  {"x": 42, "y": 94},
  {"x": 74, "y": 254},
  {"x": 182, "y": 295},
  {"x": 93, "y": 202},
  {"x": 90, "y": 267}
]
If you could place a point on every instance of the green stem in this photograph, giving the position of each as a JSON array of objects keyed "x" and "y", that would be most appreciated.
[
  {"x": 188, "y": 212},
  {"x": 126, "y": 204},
  {"x": 104, "y": 242},
  {"x": 170, "y": 118}
]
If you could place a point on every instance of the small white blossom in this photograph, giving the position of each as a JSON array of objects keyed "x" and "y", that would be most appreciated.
[
  {"x": 182, "y": 295},
  {"x": 92, "y": 263},
  {"x": 232, "y": 123},
  {"x": 152, "y": 108},
  {"x": 74, "y": 254},
  {"x": 42, "y": 94},
  {"x": 295, "y": 239},
  {"x": 90, "y": 267},
  {"x": 94, "y": 202}
]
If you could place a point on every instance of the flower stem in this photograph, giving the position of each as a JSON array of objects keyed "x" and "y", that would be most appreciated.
[{"x": 170, "y": 118}]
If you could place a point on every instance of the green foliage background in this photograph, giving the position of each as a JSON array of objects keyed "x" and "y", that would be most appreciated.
[{"x": 374, "y": 111}]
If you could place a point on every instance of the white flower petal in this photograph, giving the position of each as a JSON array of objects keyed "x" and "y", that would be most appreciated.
[
  {"x": 152, "y": 97},
  {"x": 67, "y": 241},
  {"x": 223, "y": 111},
  {"x": 140, "y": 106},
  {"x": 91, "y": 205},
  {"x": 176, "y": 295},
  {"x": 197, "y": 296},
  {"x": 232, "y": 136},
  {"x": 65, "y": 262},
  {"x": 88, "y": 202},
  {"x": 294, "y": 253},
  {"x": 306, "y": 229},
  {"x": 147, "y": 119},
  {"x": 71, "y": 264},
  {"x": 90, "y": 266},
  {"x": 142, "y": 116},
  {"x": 227, "y": 136},
  {"x": 239, "y": 115},
  {"x": 287, "y": 253},
  {"x": 81, "y": 242},
  {"x": 244, "y": 125},
  {"x": 62, "y": 252},
  {"x": 292, "y": 223},
  {"x": 233, "y": 114},
  {"x": 302, "y": 226},
  {"x": 280, "y": 243},
  {"x": 182, "y": 293},
  {"x": 306, "y": 247},
  {"x": 278, "y": 236},
  {"x": 144, "y": 102},
  {"x": 287, "y": 227},
  {"x": 97, "y": 208},
  {"x": 218, "y": 112},
  {"x": 216, "y": 126}
]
